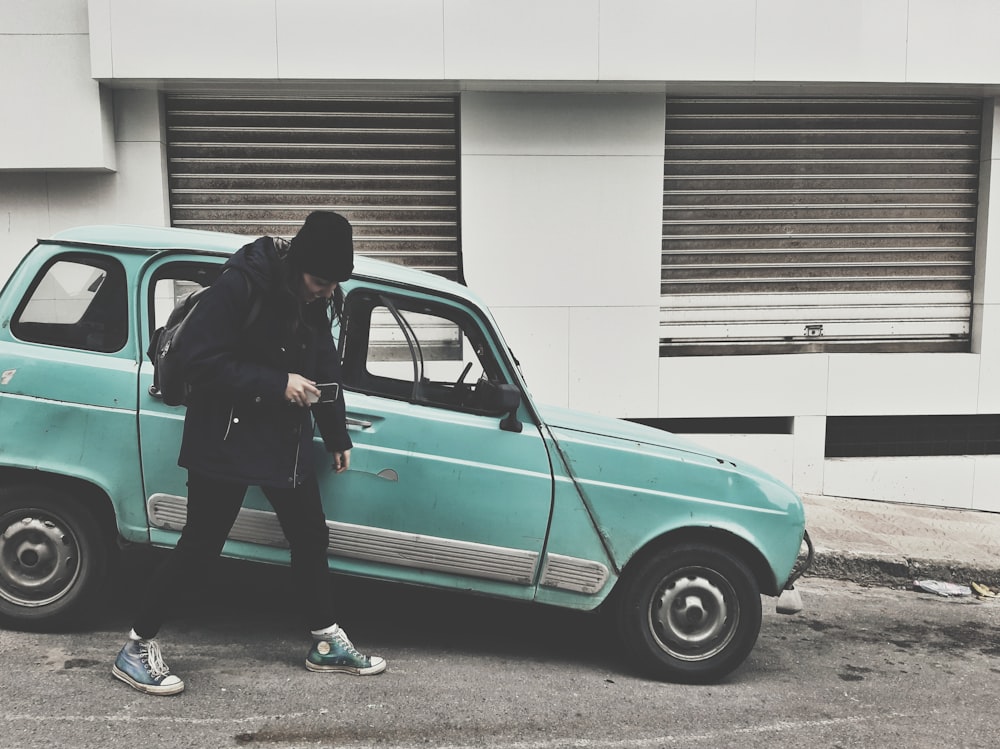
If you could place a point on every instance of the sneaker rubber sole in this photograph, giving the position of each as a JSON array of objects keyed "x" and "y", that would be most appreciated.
[
  {"x": 375, "y": 668},
  {"x": 146, "y": 688}
]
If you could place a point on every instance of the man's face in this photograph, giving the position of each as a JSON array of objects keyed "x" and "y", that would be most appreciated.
[{"x": 314, "y": 287}]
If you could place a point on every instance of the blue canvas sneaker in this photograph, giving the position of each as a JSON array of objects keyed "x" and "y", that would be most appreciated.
[
  {"x": 140, "y": 665},
  {"x": 332, "y": 651}
]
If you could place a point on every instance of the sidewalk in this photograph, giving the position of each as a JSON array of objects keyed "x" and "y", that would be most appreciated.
[{"x": 889, "y": 543}]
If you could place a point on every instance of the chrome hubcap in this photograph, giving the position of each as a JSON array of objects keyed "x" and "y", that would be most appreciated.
[
  {"x": 694, "y": 614},
  {"x": 39, "y": 561}
]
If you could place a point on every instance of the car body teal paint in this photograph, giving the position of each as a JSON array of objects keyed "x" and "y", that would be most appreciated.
[{"x": 642, "y": 483}]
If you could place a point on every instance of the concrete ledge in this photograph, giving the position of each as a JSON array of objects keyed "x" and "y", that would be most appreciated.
[{"x": 896, "y": 571}]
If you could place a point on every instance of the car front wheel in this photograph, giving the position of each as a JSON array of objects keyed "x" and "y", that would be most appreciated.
[
  {"x": 54, "y": 559},
  {"x": 690, "y": 613}
]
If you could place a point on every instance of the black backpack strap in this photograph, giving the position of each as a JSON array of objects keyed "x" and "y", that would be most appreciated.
[{"x": 256, "y": 300}]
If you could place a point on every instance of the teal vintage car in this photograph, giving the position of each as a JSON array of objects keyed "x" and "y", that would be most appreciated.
[{"x": 459, "y": 479}]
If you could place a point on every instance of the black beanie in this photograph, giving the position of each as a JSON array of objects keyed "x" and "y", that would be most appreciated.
[{"x": 324, "y": 247}]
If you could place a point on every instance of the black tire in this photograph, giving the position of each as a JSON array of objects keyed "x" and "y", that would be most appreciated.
[
  {"x": 690, "y": 614},
  {"x": 54, "y": 558}
]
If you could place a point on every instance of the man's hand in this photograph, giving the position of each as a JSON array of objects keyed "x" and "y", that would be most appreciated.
[
  {"x": 341, "y": 461},
  {"x": 299, "y": 388}
]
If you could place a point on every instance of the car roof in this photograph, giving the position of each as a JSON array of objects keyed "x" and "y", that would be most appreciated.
[{"x": 159, "y": 239}]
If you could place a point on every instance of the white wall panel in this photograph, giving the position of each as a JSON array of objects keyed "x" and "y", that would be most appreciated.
[
  {"x": 738, "y": 386},
  {"x": 925, "y": 480},
  {"x": 612, "y": 364},
  {"x": 988, "y": 390},
  {"x": 859, "y": 40},
  {"x": 140, "y": 192},
  {"x": 194, "y": 39},
  {"x": 577, "y": 224},
  {"x": 809, "y": 439},
  {"x": 561, "y": 209},
  {"x": 23, "y": 197},
  {"x": 136, "y": 194},
  {"x": 101, "y": 43},
  {"x": 556, "y": 39},
  {"x": 55, "y": 115},
  {"x": 985, "y": 495},
  {"x": 38, "y": 204},
  {"x": 887, "y": 384},
  {"x": 47, "y": 17},
  {"x": 539, "y": 338},
  {"x": 706, "y": 40},
  {"x": 138, "y": 116},
  {"x": 367, "y": 40},
  {"x": 141, "y": 187},
  {"x": 525, "y": 124},
  {"x": 561, "y": 231},
  {"x": 78, "y": 198},
  {"x": 953, "y": 41}
]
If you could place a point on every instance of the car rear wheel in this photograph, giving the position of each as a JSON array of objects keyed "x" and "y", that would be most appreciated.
[
  {"x": 54, "y": 558},
  {"x": 690, "y": 613}
]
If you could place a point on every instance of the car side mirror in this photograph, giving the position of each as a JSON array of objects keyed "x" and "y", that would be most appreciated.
[{"x": 501, "y": 398}]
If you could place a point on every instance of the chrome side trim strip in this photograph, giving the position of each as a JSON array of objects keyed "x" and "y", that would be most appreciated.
[
  {"x": 169, "y": 512},
  {"x": 433, "y": 553},
  {"x": 572, "y": 573}
]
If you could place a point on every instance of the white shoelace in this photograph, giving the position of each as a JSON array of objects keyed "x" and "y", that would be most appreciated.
[
  {"x": 155, "y": 660},
  {"x": 340, "y": 635}
]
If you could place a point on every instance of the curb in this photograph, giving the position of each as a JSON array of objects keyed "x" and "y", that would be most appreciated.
[{"x": 895, "y": 571}]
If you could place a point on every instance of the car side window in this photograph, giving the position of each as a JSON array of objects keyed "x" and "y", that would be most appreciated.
[
  {"x": 77, "y": 301},
  {"x": 419, "y": 351}
]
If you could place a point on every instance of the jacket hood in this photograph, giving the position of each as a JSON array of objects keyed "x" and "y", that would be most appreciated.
[{"x": 262, "y": 261}]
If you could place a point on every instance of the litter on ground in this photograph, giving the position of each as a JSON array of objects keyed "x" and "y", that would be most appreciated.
[
  {"x": 984, "y": 591},
  {"x": 942, "y": 588}
]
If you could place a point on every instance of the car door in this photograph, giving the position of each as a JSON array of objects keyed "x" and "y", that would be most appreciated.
[
  {"x": 166, "y": 279},
  {"x": 447, "y": 484},
  {"x": 256, "y": 534},
  {"x": 68, "y": 375},
  {"x": 441, "y": 490}
]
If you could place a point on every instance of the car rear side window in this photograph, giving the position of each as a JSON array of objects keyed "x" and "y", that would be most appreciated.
[{"x": 77, "y": 301}]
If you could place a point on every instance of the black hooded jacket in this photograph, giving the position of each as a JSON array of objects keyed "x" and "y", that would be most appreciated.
[{"x": 239, "y": 426}]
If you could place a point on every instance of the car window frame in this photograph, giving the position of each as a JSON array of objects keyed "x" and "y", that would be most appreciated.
[
  {"x": 354, "y": 349},
  {"x": 115, "y": 282}
]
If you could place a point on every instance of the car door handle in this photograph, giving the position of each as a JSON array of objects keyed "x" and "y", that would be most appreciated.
[{"x": 358, "y": 423}]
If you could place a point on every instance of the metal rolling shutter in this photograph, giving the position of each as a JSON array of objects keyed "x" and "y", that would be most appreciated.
[
  {"x": 256, "y": 166},
  {"x": 818, "y": 225}
]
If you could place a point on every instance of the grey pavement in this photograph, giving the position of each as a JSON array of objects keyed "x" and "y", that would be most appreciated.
[{"x": 890, "y": 543}]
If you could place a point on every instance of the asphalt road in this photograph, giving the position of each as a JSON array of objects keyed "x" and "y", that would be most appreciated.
[{"x": 860, "y": 667}]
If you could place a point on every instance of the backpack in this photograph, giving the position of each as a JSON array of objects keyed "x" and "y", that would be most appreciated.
[{"x": 168, "y": 352}]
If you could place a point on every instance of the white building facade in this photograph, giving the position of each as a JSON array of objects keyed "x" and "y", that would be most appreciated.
[{"x": 762, "y": 223}]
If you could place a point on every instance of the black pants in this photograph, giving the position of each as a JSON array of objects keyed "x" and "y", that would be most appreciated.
[{"x": 211, "y": 511}]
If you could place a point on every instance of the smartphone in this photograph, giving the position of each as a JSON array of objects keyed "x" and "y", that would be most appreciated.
[{"x": 328, "y": 393}]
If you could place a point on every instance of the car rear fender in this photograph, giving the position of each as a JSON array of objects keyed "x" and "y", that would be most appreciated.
[{"x": 93, "y": 497}]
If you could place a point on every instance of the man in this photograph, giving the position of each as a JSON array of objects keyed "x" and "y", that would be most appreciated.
[{"x": 249, "y": 422}]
